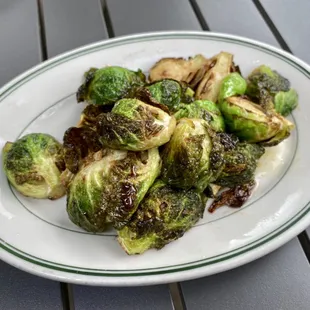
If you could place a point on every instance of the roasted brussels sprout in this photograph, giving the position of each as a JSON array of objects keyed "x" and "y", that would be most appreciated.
[
  {"x": 203, "y": 109},
  {"x": 265, "y": 78},
  {"x": 110, "y": 188},
  {"x": 134, "y": 125},
  {"x": 186, "y": 157},
  {"x": 251, "y": 123},
  {"x": 109, "y": 84},
  {"x": 239, "y": 164},
  {"x": 180, "y": 69},
  {"x": 286, "y": 102},
  {"x": 33, "y": 165},
  {"x": 163, "y": 216},
  {"x": 171, "y": 93},
  {"x": 264, "y": 81},
  {"x": 209, "y": 87},
  {"x": 78, "y": 144}
]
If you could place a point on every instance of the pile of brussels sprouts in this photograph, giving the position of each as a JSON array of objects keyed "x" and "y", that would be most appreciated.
[{"x": 147, "y": 153}]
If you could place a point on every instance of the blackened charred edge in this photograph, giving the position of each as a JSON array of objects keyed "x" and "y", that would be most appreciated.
[
  {"x": 176, "y": 296},
  {"x": 272, "y": 26},
  {"x": 199, "y": 15},
  {"x": 41, "y": 21},
  {"x": 107, "y": 18},
  {"x": 67, "y": 297}
]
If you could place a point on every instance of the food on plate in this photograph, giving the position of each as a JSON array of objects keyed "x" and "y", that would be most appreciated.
[
  {"x": 203, "y": 109},
  {"x": 147, "y": 152},
  {"x": 239, "y": 164},
  {"x": 250, "y": 121},
  {"x": 234, "y": 197},
  {"x": 221, "y": 65},
  {"x": 171, "y": 93},
  {"x": 78, "y": 144},
  {"x": 264, "y": 81},
  {"x": 186, "y": 157},
  {"x": 187, "y": 70},
  {"x": 109, "y": 188},
  {"x": 33, "y": 165},
  {"x": 134, "y": 125},
  {"x": 163, "y": 216},
  {"x": 106, "y": 85}
]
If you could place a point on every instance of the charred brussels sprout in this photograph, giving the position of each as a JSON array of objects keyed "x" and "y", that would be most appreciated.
[
  {"x": 186, "y": 158},
  {"x": 171, "y": 93},
  {"x": 78, "y": 144},
  {"x": 209, "y": 87},
  {"x": 203, "y": 109},
  {"x": 251, "y": 123},
  {"x": 164, "y": 215},
  {"x": 263, "y": 80},
  {"x": 134, "y": 125},
  {"x": 239, "y": 164},
  {"x": 109, "y": 84},
  {"x": 110, "y": 188},
  {"x": 33, "y": 165}
]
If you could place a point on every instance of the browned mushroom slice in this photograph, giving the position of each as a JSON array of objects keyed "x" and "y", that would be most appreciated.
[
  {"x": 179, "y": 69},
  {"x": 209, "y": 87}
]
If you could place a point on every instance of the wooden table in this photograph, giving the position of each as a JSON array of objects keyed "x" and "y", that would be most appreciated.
[{"x": 32, "y": 31}]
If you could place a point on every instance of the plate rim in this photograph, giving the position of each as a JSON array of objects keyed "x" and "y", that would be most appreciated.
[{"x": 259, "y": 248}]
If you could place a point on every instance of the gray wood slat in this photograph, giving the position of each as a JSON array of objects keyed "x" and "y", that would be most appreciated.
[
  {"x": 292, "y": 20},
  {"x": 72, "y": 23},
  {"x": 239, "y": 17},
  {"x": 20, "y": 291},
  {"x": 134, "y": 16},
  {"x": 19, "y": 37},
  {"x": 135, "y": 298},
  {"x": 280, "y": 280}
]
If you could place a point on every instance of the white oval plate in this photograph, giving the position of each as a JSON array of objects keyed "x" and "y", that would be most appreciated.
[{"x": 36, "y": 235}]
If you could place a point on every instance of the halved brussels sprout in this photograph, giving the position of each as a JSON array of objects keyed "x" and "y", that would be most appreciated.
[
  {"x": 251, "y": 123},
  {"x": 209, "y": 87},
  {"x": 108, "y": 85},
  {"x": 171, "y": 93},
  {"x": 110, "y": 188},
  {"x": 134, "y": 125},
  {"x": 186, "y": 158},
  {"x": 163, "y": 216},
  {"x": 204, "y": 109},
  {"x": 33, "y": 165}
]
